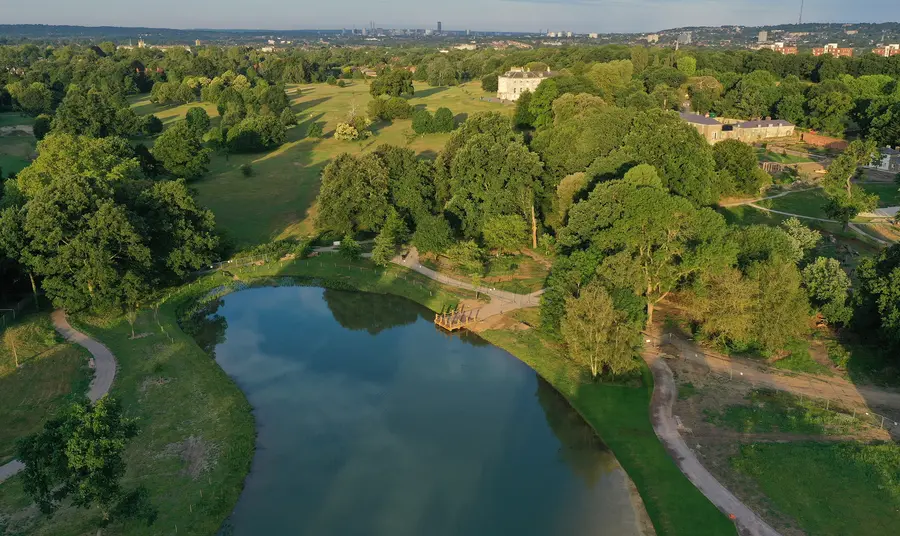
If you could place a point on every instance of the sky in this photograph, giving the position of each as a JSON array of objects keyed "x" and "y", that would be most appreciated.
[{"x": 502, "y": 15}]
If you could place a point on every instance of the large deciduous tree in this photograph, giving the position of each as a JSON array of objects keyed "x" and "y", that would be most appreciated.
[
  {"x": 354, "y": 195},
  {"x": 597, "y": 334},
  {"x": 181, "y": 151},
  {"x": 393, "y": 82}
]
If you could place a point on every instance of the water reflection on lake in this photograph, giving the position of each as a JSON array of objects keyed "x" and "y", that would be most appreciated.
[{"x": 372, "y": 422}]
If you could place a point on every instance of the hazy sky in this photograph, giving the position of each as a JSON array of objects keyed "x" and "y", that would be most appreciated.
[{"x": 522, "y": 15}]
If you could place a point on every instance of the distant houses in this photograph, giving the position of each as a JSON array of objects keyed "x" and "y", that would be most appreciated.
[
  {"x": 747, "y": 131},
  {"x": 890, "y": 161},
  {"x": 513, "y": 83},
  {"x": 834, "y": 50}
]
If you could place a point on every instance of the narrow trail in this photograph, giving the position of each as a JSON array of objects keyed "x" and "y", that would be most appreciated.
[
  {"x": 753, "y": 203},
  {"x": 664, "y": 393},
  {"x": 501, "y": 301},
  {"x": 104, "y": 373}
]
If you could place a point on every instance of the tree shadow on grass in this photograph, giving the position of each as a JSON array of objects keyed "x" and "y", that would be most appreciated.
[
  {"x": 430, "y": 91},
  {"x": 305, "y": 105}
]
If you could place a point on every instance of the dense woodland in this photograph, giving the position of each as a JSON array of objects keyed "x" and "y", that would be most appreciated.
[{"x": 594, "y": 170}]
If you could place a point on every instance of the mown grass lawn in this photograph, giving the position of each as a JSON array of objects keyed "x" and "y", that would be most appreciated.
[
  {"x": 831, "y": 489},
  {"x": 15, "y": 118},
  {"x": 769, "y": 156},
  {"x": 15, "y": 153},
  {"x": 181, "y": 398},
  {"x": 806, "y": 203},
  {"x": 888, "y": 193},
  {"x": 277, "y": 201},
  {"x": 51, "y": 375}
]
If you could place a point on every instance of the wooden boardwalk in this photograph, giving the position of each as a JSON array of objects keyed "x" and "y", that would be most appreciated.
[{"x": 456, "y": 319}]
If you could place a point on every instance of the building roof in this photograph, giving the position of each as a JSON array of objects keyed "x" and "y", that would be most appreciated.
[
  {"x": 698, "y": 119},
  {"x": 765, "y": 123},
  {"x": 888, "y": 151},
  {"x": 528, "y": 74}
]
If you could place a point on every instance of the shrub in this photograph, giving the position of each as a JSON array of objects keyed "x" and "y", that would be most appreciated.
[
  {"x": 443, "y": 120},
  {"x": 314, "y": 130},
  {"x": 331, "y": 80},
  {"x": 288, "y": 118},
  {"x": 346, "y": 132},
  {"x": 152, "y": 125},
  {"x": 422, "y": 122},
  {"x": 247, "y": 170},
  {"x": 42, "y": 126},
  {"x": 350, "y": 248},
  {"x": 341, "y": 83}
]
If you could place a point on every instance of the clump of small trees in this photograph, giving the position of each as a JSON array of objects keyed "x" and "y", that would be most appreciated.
[{"x": 423, "y": 122}]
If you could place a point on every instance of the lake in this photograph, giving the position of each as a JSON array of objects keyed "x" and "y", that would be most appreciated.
[{"x": 373, "y": 422}]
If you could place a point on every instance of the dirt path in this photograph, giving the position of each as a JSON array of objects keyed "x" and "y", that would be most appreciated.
[
  {"x": 501, "y": 301},
  {"x": 664, "y": 393},
  {"x": 104, "y": 364}
]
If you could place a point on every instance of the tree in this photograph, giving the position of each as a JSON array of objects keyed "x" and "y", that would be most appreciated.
[
  {"x": 432, "y": 235},
  {"x": 541, "y": 105},
  {"x": 683, "y": 158},
  {"x": 152, "y": 125},
  {"x": 394, "y": 82},
  {"x": 845, "y": 199},
  {"x": 651, "y": 240},
  {"x": 393, "y": 233},
  {"x": 782, "y": 310},
  {"x": 567, "y": 191},
  {"x": 522, "y": 117},
  {"x": 41, "y": 126},
  {"x": 467, "y": 256},
  {"x": 877, "y": 299},
  {"x": 687, "y": 65},
  {"x": 33, "y": 99},
  {"x": 597, "y": 334},
  {"x": 80, "y": 455},
  {"x": 611, "y": 77},
  {"x": 802, "y": 237},
  {"x": 181, "y": 151},
  {"x": 828, "y": 286},
  {"x": 256, "y": 133},
  {"x": 410, "y": 182},
  {"x": 506, "y": 234},
  {"x": 354, "y": 194},
  {"x": 314, "y": 130},
  {"x": 423, "y": 122},
  {"x": 350, "y": 248},
  {"x": 288, "y": 118},
  {"x": 754, "y": 95},
  {"x": 489, "y": 83},
  {"x": 198, "y": 120},
  {"x": 94, "y": 113},
  {"x": 443, "y": 120},
  {"x": 440, "y": 72},
  {"x": 738, "y": 161}
]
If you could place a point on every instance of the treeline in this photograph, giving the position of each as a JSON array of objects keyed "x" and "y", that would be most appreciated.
[{"x": 621, "y": 197}]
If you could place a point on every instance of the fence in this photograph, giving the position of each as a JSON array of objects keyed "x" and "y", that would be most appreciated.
[{"x": 844, "y": 399}]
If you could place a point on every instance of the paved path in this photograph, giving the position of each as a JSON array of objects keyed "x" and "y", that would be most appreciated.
[
  {"x": 104, "y": 372},
  {"x": 501, "y": 301},
  {"x": 664, "y": 392}
]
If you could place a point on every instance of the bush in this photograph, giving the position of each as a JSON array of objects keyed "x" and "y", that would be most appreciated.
[
  {"x": 489, "y": 83},
  {"x": 341, "y": 83},
  {"x": 443, "y": 120},
  {"x": 422, "y": 122},
  {"x": 42, "y": 126},
  {"x": 390, "y": 109},
  {"x": 350, "y": 248},
  {"x": 314, "y": 130},
  {"x": 346, "y": 132},
  {"x": 247, "y": 170},
  {"x": 331, "y": 80},
  {"x": 288, "y": 118},
  {"x": 152, "y": 125}
]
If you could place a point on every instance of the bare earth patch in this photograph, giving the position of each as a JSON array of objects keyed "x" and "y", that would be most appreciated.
[
  {"x": 154, "y": 382},
  {"x": 198, "y": 456}
]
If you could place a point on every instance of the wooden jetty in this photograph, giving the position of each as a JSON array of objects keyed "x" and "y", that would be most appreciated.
[{"x": 456, "y": 319}]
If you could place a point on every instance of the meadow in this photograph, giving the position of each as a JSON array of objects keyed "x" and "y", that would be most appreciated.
[{"x": 278, "y": 200}]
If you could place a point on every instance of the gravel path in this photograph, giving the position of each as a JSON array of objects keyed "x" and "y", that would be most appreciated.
[
  {"x": 104, "y": 372},
  {"x": 664, "y": 393}
]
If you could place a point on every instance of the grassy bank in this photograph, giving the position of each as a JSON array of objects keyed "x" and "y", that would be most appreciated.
[
  {"x": 196, "y": 432},
  {"x": 832, "y": 489},
  {"x": 51, "y": 375}
]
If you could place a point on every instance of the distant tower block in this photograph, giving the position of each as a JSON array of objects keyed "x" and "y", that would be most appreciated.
[{"x": 439, "y": 27}]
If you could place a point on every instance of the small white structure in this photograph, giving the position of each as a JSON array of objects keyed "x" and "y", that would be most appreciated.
[
  {"x": 513, "y": 83},
  {"x": 890, "y": 161}
]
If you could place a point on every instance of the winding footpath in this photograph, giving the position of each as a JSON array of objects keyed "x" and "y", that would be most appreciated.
[{"x": 104, "y": 373}]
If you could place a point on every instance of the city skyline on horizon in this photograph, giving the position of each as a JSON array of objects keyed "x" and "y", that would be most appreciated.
[{"x": 579, "y": 16}]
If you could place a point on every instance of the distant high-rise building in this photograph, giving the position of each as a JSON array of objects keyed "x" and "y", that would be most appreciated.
[
  {"x": 439, "y": 27},
  {"x": 196, "y": 42},
  {"x": 763, "y": 36},
  {"x": 685, "y": 38},
  {"x": 593, "y": 35}
]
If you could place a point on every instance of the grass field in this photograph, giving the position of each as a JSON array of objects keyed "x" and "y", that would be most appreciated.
[
  {"x": 51, "y": 375},
  {"x": 196, "y": 433},
  {"x": 769, "y": 411},
  {"x": 768, "y": 156},
  {"x": 277, "y": 201},
  {"x": 513, "y": 273},
  {"x": 831, "y": 489},
  {"x": 807, "y": 203},
  {"x": 15, "y": 152},
  {"x": 888, "y": 193},
  {"x": 15, "y": 118}
]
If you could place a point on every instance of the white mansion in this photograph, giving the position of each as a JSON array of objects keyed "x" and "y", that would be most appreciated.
[{"x": 511, "y": 84}]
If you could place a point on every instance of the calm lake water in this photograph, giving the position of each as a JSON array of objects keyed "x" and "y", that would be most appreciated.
[{"x": 372, "y": 422}]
